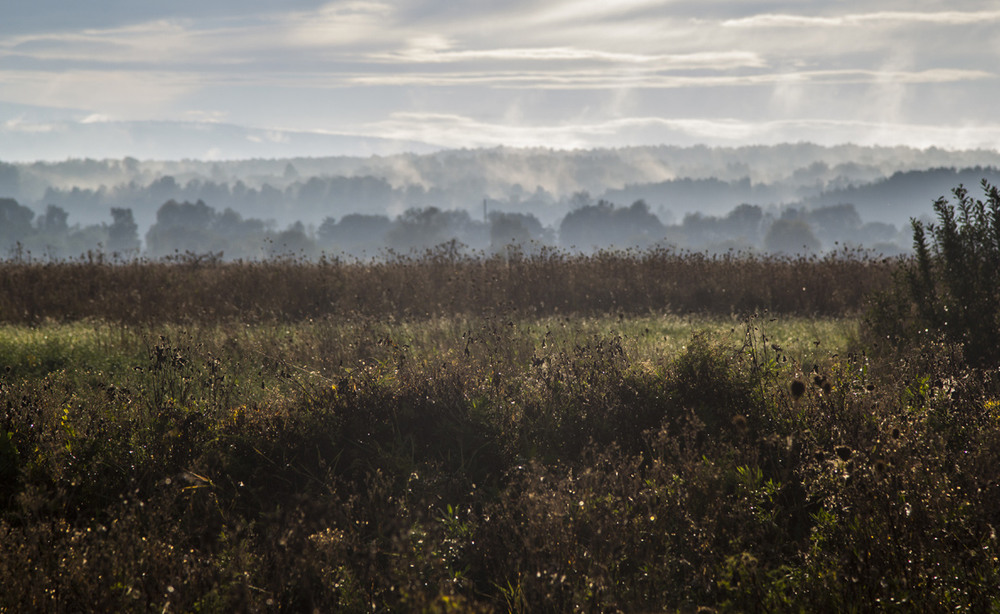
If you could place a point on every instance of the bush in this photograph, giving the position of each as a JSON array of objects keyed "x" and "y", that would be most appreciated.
[{"x": 954, "y": 280}]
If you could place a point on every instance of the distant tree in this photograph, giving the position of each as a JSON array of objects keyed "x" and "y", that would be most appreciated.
[
  {"x": 123, "y": 234},
  {"x": 51, "y": 234},
  {"x": 419, "y": 229},
  {"x": 745, "y": 221},
  {"x": 878, "y": 233},
  {"x": 740, "y": 229},
  {"x": 80, "y": 240},
  {"x": 54, "y": 221},
  {"x": 185, "y": 214},
  {"x": 15, "y": 223},
  {"x": 843, "y": 216},
  {"x": 164, "y": 188},
  {"x": 315, "y": 192},
  {"x": 293, "y": 242},
  {"x": 10, "y": 180},
  {"x": 355, "y": 234},
  {"x": 240, "y": 238},
  {"x": 602, "y": 226},
  {"x": 791, "y": 236},
  {"x": 327, "y": 231},
  {"x": 835, "y": 223},
  {"x": 183, "y": 227},
  {"x": 637, "y": 225},
  {"x": 579, "y": 200},
  {"x": 359, "y": 224},
  {"x": 586, "y": 227},
  {"x": 512, "y": 230}
]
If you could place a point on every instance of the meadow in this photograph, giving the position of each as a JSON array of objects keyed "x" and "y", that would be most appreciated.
[{"x": 622, "y": 432}]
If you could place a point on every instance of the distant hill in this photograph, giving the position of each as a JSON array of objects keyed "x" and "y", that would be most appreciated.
[
  {"x": 908, "y": 194},
  {"x": 707, "y": 196},
  {"x": 61, "y": 139}
]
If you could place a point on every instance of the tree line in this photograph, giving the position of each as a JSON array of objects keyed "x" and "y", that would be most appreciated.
[{"x": 197, "y": 228}]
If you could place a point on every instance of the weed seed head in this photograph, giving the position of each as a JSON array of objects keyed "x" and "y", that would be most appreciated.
[{"x": 798, "y": 388}]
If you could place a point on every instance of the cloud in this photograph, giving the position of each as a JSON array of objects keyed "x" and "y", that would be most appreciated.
[
  {"x": 593, "y": 10},
  {"x": 655, "y": 79},
  {"x": 206, "y": 117},
  {"x": 892, "y": 18},
  {"x": 624, "y": 71},
  {"x": 148, "y": 42},
  {"x": 247, "y": 41},
  {"x": 20, "y": 124},
  {"x": 105, "y": 92},
  {"x": 270, "y": 136},
  {"x": 336, "y": 25},
  {"x": 453, "y": 130},
  {"x": 456, "y": 130},
  {"x": 441, "y": 53}
]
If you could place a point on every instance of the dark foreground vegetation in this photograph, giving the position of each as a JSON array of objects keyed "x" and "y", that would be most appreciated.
[{"x": 250, "y": 439}]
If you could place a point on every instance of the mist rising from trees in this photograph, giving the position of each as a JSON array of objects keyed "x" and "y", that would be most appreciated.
[
  {"x": 186, "y": 228},
  {"x": 789, "y": 198}
]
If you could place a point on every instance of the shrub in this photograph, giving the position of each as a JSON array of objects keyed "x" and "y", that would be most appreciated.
[{"x": 954, "y": 281}]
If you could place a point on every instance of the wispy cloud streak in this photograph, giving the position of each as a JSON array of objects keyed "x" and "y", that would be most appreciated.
[
  {"x": 890, "y": 18},
  {"x": 461, "y": 131}
]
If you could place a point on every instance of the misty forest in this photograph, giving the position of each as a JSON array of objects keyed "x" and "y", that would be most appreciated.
[
  {"x": 681, "y": 379},
  {"x": 783, "y": 199}
]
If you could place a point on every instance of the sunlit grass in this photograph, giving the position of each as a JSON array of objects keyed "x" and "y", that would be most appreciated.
[
  {"x": 319, "y": 350},
  {"x": 806, "y": 340},
  {"x": 51, "y": 347}
]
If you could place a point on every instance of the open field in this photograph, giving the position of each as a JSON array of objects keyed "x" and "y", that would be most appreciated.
[
  {"x": 441, "y": 284},
  {"x": 499, "y": 459}
]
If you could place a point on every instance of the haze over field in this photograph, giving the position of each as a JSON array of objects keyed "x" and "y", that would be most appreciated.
[{"x": 224, "y": 80}]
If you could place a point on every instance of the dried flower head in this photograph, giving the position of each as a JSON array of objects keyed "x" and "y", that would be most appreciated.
[{"x": 798, "y": 388}]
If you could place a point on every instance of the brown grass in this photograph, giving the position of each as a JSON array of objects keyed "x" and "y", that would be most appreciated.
[{"x": 630, "y": 283}]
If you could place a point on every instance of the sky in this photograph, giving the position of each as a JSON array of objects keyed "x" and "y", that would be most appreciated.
[{"x": 560, "y": 74}]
